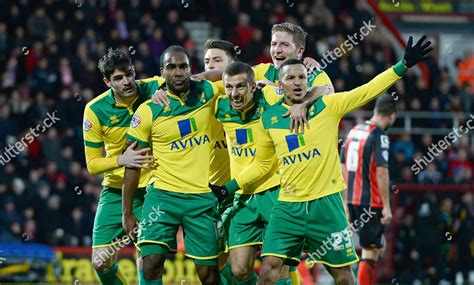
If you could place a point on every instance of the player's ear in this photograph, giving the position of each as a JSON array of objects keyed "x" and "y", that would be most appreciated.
[
  {"x": 393, "y": 117},
  {"x": 253, "y": 86},
  {"x": 107, "y": 82},
  {"x": 300, "y": 52}
]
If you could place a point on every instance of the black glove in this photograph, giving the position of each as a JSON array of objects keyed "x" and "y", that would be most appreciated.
[
  {"x": 219, "y": 191},
  {"x": 416, "y": 53}
]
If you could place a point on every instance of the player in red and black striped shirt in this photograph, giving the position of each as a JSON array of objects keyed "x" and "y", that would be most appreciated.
[{"x": 364, "y": 160}]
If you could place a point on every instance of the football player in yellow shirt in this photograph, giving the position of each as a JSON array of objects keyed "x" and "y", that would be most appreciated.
[
  {"x": 179, "y": 135},
  {"x": 106, "y": 120},
  {"x": 310, "y": 210},
  {"x": 240, "y": 111}
]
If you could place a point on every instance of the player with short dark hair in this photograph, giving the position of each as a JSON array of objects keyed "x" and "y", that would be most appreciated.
[
  {"x": 179, "y": 134},
  {"x": 104, "y": 128},
  {"x": 239, "y": 112},
  {"x": 364, "y": 160},
  {"x": 218, "y": 54}
]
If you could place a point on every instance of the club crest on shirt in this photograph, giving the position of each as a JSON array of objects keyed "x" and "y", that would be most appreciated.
[
  {"x": 87, "y": 125},
  {"x": 278, "y": 91},
  {"x": 136, "y": 120},
  {"x": 384, "y": 141},
  {"x": 329, "y": 89},
  {"x": 274, "y": 119},
  {"x": 113, "y": 119}
]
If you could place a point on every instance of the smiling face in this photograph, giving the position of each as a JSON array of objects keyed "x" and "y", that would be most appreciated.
[
  {"x": 239, "y": 90},
  {"x": 293, "y": 82},
  {"x": 283, "y": 47},
  {"x": 215, "y": 58},
  {"x": 177, "y": 71},
  {"x": 122, "y": 82}
]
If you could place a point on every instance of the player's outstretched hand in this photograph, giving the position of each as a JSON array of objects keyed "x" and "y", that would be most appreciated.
[
  {"x": 160, "y": 98},
  {"x": 219, "y": 191},
  {"x": 132, "y": 158},
  {"x": 416, "y": 53}
]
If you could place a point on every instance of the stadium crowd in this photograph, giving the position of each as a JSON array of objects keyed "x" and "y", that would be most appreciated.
[{"x": 48, "y": 55}]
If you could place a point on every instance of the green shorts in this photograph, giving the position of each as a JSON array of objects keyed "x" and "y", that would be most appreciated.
[
  {"x": 319, "y": 225},
  {"x": 108, "y": 218},
  {"x": 251, "y": 217},
  {"x": 163, "y": 213}
]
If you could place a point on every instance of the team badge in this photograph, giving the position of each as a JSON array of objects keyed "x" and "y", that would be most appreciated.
[
  {"x": 329, "y": 89},
  {"x": 385, "y": 155},
  {"x": 384, "y": 141},
  {"x": 278, "y": 91},
  {"x": 113, "y": 119},
  {"x": 87, "y": 125},
  {"x": 136, "y": 120}
]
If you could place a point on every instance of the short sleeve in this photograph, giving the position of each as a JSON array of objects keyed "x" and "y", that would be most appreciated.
[
  {"x": 271, "y": 94},
  {"x": 91, "y": 129},
  {"x": 260, "y": 70}
]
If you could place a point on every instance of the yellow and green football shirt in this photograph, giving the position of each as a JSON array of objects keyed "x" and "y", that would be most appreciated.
[
  {"x": 180, "y": 137},
  {"x": 309, "y": 162},
  {"x": 105, "y": 126},
  {"x": 242, "y": 132}
]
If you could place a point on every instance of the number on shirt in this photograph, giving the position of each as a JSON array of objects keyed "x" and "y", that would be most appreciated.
[{"x": 352, "y": 161}]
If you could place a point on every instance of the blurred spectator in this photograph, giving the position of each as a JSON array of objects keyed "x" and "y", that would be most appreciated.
[
  {"x": 460, "y": 169},
  {"x": 50, "y": 146},
  {"x": 430, "y": 175},
  {"x": 466, "y": 71},
  {"x": 39, "y": 24},
  {"x": 404, "y": 144},
  {"x": 243, "y": 31}
]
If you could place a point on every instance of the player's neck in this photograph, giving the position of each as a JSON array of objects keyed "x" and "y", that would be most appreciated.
[
  {"x": 125, "y": 100},
  {"x": 290, "y": 102},
  {"x": 379, "y": 121}
]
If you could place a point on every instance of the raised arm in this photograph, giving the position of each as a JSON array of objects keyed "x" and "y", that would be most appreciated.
[{"x": 344, "y": 102}]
